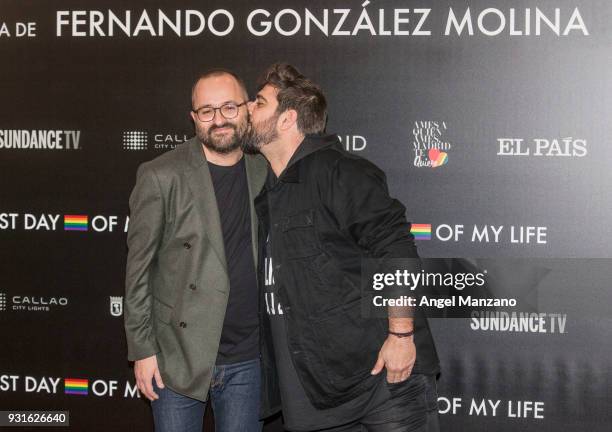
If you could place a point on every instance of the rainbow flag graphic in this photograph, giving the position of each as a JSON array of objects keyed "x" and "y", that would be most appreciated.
[
  {"x": 75, "y": 222},
  {"x": 421, "y": 231},
  {"x": 76, "y": 386}
]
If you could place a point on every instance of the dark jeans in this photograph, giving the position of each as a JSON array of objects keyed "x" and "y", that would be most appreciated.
[
  {"x": 413, "y": 407},
  {"x": 234, "y": 392}
]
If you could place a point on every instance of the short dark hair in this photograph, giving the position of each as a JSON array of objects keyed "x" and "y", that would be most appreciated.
[
  {"x": 297, "y": 92},
  {"x": 218, "y": 72}
]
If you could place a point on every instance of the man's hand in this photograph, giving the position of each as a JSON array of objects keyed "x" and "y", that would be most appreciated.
[
  {"x": 144, "y": 371},
  {"x": 398, "y": 356}
]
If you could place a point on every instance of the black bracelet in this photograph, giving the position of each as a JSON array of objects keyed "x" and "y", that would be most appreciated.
[{"x": 401, "y": 335}]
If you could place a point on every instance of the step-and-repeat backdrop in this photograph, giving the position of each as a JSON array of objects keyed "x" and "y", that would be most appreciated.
[{"x": 492, "y": 120}]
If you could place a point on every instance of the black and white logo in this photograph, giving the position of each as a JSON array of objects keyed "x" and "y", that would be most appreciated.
[
  {"x": 40, "y": 139},
  {"x": 429, "y": 144},
  {"x": 135, "y": 140},
  {"x": 116, "y": 306}
]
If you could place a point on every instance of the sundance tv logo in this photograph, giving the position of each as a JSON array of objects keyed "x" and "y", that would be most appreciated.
[
  {"x": 429, "y": 146},
  {"x": 518, "y": 322},
  {"x": 21, "y": 139}
]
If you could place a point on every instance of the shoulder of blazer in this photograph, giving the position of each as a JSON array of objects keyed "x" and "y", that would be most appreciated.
[{"x": 183, "y": 157}]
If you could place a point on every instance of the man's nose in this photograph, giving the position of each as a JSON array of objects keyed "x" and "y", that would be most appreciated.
[
  {"x": 218, "y": 119},
  {"x": 250, "y": 106}
]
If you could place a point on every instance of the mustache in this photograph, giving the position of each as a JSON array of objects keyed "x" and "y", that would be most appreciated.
[{"x": 224, "y": 125}]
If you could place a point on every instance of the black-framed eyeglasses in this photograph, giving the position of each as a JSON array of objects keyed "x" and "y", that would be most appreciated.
[{"x": 228, "y": 110}]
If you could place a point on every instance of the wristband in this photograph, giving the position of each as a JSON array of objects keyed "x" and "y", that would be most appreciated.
[{"x": 401, "y": 335}]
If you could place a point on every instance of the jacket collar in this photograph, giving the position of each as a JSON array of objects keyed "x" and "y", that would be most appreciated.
[{"x": 310, "y": 144}]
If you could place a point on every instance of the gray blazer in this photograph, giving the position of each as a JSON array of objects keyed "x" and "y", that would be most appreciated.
[{"x": 176, "y": 285}]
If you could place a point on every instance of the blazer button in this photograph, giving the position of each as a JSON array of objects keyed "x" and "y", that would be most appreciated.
[
  {"x": 182, "y": 324},
  {"x": 186, "y": 245},
  {"x": 192, "y": 286}
]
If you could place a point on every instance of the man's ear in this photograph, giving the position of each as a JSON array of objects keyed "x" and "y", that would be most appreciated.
[
  {"x": 287, "y": 120},
  {"x": 193, "y": 116}
]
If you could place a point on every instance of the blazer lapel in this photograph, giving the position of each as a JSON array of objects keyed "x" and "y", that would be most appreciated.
[{"x": 202, "y": 189}]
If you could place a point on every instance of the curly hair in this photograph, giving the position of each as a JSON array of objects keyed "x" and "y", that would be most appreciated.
[{"x": 298, "y": 93}]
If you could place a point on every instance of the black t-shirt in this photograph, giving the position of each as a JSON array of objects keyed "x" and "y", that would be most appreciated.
[
  {"x": 298, "y": 413},
  {"x": 240, "y": 336}
]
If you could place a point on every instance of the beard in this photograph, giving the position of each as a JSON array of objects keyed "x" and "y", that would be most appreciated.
[
  {"x": 223, "y": 144},
  {"x": 260, "y": 134}
]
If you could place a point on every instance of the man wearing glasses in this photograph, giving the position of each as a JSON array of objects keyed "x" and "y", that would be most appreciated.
[{"x": 191, "y": 290}]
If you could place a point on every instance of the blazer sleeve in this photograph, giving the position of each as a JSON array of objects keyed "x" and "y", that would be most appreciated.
[{"x": 143, "y": 240}]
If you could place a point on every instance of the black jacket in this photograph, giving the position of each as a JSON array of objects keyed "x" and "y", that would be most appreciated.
[{"x": 327, "y": 211}]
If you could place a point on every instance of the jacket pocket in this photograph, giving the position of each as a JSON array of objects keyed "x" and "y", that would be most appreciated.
[
  {"x": 348, "y": 343},
  {"x": 162, "y": 312},
  {"x": 300, "y": 235}
]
